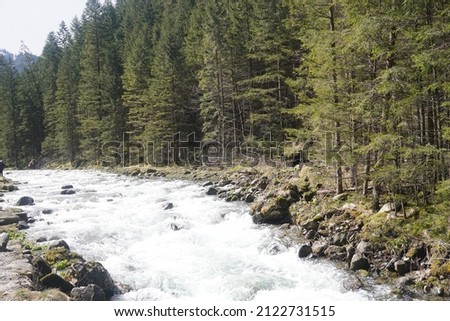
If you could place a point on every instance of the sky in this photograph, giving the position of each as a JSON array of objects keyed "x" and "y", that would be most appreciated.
[{"x": 31, "y": 21}]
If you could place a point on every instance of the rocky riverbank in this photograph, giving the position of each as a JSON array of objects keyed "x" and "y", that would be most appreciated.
[
  {"x": 44, "y": 270},
  {"x": 399, "y": 248}
]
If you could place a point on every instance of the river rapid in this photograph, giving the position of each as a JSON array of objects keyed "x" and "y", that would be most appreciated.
[{"x": 201, "y": 249}]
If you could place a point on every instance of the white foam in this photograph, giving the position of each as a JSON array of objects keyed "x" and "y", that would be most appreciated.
[{"x": 202, "y": 248}]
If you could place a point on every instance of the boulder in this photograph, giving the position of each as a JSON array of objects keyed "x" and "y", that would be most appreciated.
[
  {"x": 304, "y": 251},
  {"x": 318, "y": 248},
  {"x": 94, "y": 273},
  {"x": 54, "y": 281},
  {"x": 359, "y": 262},
  {"x": 363, "y": 247},
  {"x": 339, "y": 239},
  {"x": 59, "y": 243},
  {"x": 47, "y": 211},
  {"x": 92, "y": 292},
  {"x": 212, "y": 191},
  {"x": 4, "y": 239},
  {"x": 41, "y": 266},
  {"x": 336, "y": 253},
  {"x": 310, "y": 235},
  {"x": 7, "y": 218},
  {"x": 390, "y": 207},
  {"x": 25, "y": 201},
  {"x": 353, "y": 283},
  {"x": 67, "y": 187},
  {"x": 249, "y": 198},
  {"x": 208, "y": 183},
  {"x": 401, "y": 267},
  {"x": 22, "y": 226}
]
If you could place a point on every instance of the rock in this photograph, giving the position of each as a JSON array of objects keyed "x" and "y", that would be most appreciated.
[
  {"x": 336, "y": 253},
  {"x": 41, "y": 239},
  {"x": 318, "y": 248},
  {"x": 95, "y": 273},
  {"x": 311, "y": 225},
  {"x": 92, "y": 292},
  {"x": 12, "y": 188},
  {"x": 67, "y": 187},
  {"x": 224, "y": 182},
  {"x": 359, "y": 262},
  {"x": 175, "y": 227},
  {"x": 41, "y": 266},
  {"x": 68, "y": 192},
  {"x": 340, "y": 197},
  {"x": 389, "y": 207},
  {"x": 362, "y": 247},
  {"x": 304, "y": 251},
  {"x": 59, "y": 243},
  {"x": 54, "y": 281},
  {"x": 31, "y": 220},
  {"x": 339, "y": 239},
  {"x": 208, "y": 183},
  {"x": 310, "y": 235},
  {"x": 401, "y": 267},
  {"x": 212, "y": 191},
  {"x": 4, "y": 239},
  {"x": 353, "y": 283},
  {"x": 349, "y": 207},
  {"x": 167, "y": 206},
  {"x": 249, "y": 198},
  {"x": 22, "y": 226},
  {"x": 47, "y": 211},
  {"x": 25, "y": 201}
]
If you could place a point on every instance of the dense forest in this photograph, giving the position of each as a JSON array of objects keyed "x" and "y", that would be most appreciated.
[{"x": 363, "y": 86}]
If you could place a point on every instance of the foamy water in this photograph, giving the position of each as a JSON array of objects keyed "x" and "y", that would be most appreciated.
[{"x": 202, "y": 248}]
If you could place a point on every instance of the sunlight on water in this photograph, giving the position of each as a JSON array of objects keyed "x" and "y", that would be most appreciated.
[{"x": 201, "y": 248}]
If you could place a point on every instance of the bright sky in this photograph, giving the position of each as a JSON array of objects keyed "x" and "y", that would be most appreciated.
[{"x": 31, "y": 21}]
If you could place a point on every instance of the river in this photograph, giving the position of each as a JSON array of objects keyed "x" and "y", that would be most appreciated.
[{"x": 202, "y": 248}]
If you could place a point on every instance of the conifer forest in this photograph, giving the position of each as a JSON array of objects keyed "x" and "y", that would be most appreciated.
[{"x": 366, "y": 83}]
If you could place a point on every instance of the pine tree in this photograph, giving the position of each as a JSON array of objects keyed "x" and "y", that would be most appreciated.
[{"x": 100, "y": 109}]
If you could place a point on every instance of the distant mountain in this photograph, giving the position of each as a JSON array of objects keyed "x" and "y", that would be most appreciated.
[{"x": 20, "y": 61}]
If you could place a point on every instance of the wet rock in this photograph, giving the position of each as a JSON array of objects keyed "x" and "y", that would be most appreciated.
[
  {"x": 249, "y": 198},
  {"x": 22, "y": 226},
  {"x": 95, "y": 273},
  {"x": 304, "y": 251},
  {"x": 310, "y": 235},
  {"x": 67, "y": 187},
  {"x": 59, "y": 243},
  {"x": 4, "y": 239},
  {"x": 175, "y": 227},
  {"x": 25, "y": 201},
  {"x": 68, "y": 192},
  {"x": 54, "y": 281},
  {"x": 224, "y": 182},
  {"x": 92, "y": 292},
  {"x": 41, "y": 266},
  {"x": 167, "y": 206},
  {"x": 359, "y": 262},
  {"x": 41, "y": 239},
  {"x": 47, "y": 211},
  {"x": 353, "y": 283},
  {"x": 31, "y": 220},
  {"x": 208, "y": 183},
  {"x": 212, "y": 191},
  {"x": 401, "y": 267}
]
